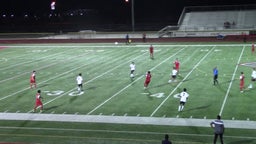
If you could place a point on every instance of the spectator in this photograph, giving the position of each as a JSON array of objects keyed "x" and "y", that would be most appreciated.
[
  {"x": 218, "y": 126},
  {"x": 166, "y": 140}
]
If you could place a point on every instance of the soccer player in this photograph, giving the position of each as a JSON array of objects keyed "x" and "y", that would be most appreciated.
[
  {"x": 215, "y": 76},
  {"x": 132, "y": 67},
  {"x": 38, "y": 102},
  {"x": 253, "y": 48},
  {"x": 253, "y": 77},
  {"x": 33, "y": 80},
  {"x": 241, "y": 82},
  {"x": 79, "y": 80},
  {"x": 177, "y": 64},
  {"x": 219, "y": 128},
  {"x": 151, "y": 51},
  {"x": 173, "y": 75},
  {"x": 147, "y": 80},
  {"x": 183, "y": 99}
]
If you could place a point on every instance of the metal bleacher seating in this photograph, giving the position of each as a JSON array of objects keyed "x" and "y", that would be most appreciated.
[{"x": 218, "y": 19}]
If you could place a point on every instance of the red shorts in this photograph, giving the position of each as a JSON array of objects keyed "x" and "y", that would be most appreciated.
[
  {"x": 38, "y": 103},
  {"x": 146, "y": 82}
]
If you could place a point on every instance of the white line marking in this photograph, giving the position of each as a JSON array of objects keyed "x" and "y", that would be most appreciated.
[
  {"x": 181, "y": 82},
  {"x": 231, "y": 82},
  {"x": 130, "y": 84},
  {"x": 91, "y": 80}
]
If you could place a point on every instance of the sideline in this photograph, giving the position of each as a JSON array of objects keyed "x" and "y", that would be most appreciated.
[{"x": 125, "y": 120}]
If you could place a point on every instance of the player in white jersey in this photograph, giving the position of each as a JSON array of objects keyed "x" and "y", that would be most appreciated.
[
  {"x": 173, "y": 75},
  {"x": 132, "y": 67},
  {"x": 79, "y": 80},
  {"x": 183, "y": 99},
  {"x": 253, "y": 77}
]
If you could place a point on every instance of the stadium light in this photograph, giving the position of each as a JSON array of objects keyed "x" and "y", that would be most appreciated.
[{"x": 53, "y": 5}]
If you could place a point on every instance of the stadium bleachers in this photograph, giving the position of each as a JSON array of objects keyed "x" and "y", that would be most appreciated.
[{"x": 209, "y": 19}]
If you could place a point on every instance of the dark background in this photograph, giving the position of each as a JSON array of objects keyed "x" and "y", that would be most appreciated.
[{"x": 100, "y": 15}]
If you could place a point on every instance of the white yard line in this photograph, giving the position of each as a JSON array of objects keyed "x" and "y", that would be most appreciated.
[
  {"x": 10, "y": 95},
  {"x": 131, "y": 84},
  {"x": 32, "y": 61},
  {"x": 43, "y": 67},
  {"x": 231, "y": 82},
  {"x": 92, "y": 79},
  {"x": 181, "y": 83}
]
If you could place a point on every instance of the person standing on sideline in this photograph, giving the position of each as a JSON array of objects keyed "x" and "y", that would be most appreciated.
[
  {"x": 215, "y": 76},
  {"x": 144, "y": 37},
  {"x": 241, "y": 82},
  {"x": 253, "y": 78},
  {"x": 151, "y": 51},
  {"x": 173, "y": 75},
  {"x": 132, "y": 67},
  {"x": 38, "y": 102},
  {"x": 177, "y": 64},
  {"x": 79, "y": 80},
  {"x": 33, "y": 79},
  {"x": 127, "y": 39},
  {"x": 166, "y": 140},
  {"x": 218, "y": 126},
  {"x": 147, "y": 80},
  {"x": 253, "y": 48},
  {"x": 183, "y": 99}
]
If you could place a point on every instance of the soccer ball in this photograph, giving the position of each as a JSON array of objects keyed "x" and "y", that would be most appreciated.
[{"x": 116, "y": 43}]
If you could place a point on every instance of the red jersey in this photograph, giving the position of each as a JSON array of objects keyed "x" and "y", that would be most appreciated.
[
  {"x": 151, "y": 49},
  {"x": 252, "y": 47},
  {"x": 177, "y": 65},
  {"x": 38, "y": 100},
  {"x": 242, "y": 80},
  {"x": 33, "y": 78},
  {"x": 148, "y": 77}
]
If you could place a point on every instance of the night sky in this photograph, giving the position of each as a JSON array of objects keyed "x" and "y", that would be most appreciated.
[{"x": 113, "y": 11}]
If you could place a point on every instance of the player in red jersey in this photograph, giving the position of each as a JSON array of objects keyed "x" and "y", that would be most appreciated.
[
  {"x": 177, "y": 64},
  {"x": 241, "y": 82},
  {"x": 38, "y": 102},
  {"x": 253, "y": 48},
  {"x": 33, "y": 79},
  {"x": 151, "y": 51},
  {"x": 148, "y": 79}
]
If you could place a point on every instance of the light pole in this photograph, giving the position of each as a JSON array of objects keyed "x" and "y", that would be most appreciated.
[{"x": 132, "y": 13}]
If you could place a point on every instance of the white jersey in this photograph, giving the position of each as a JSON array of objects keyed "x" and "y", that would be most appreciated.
[
  {"x": 79, "y": 79},
  {"x": 174, "y": 72},
  {"x": 132, "y": 66},
  {"x": 183, "y": 96},
  {"x": 254, "y": 74}
]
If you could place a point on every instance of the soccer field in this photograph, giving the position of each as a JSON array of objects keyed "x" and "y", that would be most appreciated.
[{"x": 109, "y": 91}]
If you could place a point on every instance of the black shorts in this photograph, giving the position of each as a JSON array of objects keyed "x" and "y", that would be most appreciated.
[{"x": 182, "y": 103}]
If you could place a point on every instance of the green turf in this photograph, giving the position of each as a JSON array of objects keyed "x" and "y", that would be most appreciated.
[{"x": 110, "y": 91}]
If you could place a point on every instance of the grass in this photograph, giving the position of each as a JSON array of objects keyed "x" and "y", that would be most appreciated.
[{"x": 110, "y": 91}]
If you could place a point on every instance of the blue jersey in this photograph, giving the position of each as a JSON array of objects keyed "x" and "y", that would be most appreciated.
[{"x": 215, "y": 71}]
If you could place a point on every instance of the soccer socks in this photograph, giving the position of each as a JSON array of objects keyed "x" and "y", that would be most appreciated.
[
  {"x": 250, "y": 86},
  {"x": 181, "y": 107}
]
